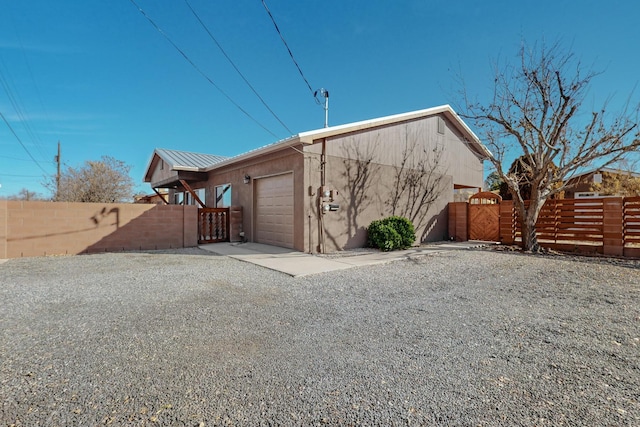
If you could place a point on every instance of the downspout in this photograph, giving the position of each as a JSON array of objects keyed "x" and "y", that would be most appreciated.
[{"x": 323, "y": 156}]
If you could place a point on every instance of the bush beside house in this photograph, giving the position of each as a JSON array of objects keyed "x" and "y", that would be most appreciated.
[{"x": 391, "y": 233}]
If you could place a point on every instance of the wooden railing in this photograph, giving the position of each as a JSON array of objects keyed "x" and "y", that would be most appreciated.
[{"x": 213, "y": 225}]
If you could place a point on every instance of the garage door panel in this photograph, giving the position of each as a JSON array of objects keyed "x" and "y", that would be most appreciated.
[{"x": 274, "y": 210}]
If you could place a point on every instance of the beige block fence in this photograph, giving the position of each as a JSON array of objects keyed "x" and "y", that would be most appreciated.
[{"x": 30, "y": 229}]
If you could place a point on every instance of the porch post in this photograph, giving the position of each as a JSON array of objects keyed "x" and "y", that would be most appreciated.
[{"x": 613, "y": 226}]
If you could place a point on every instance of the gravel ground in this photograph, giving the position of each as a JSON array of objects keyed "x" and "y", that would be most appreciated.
[{"x": 187, "y": 338}]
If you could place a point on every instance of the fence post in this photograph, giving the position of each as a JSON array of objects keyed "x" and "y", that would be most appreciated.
[
  {"x": 613, "y": 226},
  {"x": 4, "y": 217},
  {"x": 507, "y": 227},
  {"x": 458, "y": 221}
]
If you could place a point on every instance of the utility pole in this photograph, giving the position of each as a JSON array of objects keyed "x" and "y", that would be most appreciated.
[{"x": 58, "y": 173}]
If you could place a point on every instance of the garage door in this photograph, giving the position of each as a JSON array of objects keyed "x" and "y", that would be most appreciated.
[{"x": 274, "y": 210}]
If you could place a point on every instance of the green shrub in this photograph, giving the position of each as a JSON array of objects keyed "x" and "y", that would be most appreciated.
[{"x": 391, "y": 233}]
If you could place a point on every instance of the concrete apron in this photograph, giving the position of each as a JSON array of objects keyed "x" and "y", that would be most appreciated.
[{"x": 298, "y": 264}]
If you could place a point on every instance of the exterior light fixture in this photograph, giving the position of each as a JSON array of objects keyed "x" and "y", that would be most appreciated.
[{"x": 247, "y": 179}]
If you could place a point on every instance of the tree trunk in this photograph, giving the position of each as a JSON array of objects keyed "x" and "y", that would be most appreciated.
[{"x": 530, "y": 217}]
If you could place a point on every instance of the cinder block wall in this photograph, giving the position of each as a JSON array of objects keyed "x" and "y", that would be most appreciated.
[{"x": 48, "y": 228}]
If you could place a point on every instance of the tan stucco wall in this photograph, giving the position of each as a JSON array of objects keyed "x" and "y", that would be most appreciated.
[
  {"x": 385, "y": 145},
  {"x": 363, "y": 199},
  {"x": 49, "y": 228},
  {"x": 285, "y": 161}
]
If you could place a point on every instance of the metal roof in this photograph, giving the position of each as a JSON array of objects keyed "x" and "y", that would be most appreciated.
[{"x": 188, "y": 161}]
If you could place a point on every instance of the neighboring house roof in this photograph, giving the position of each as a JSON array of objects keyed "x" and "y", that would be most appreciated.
[
  {"x": 606, "y": 170},
  {"x": 314, "y": 135}
]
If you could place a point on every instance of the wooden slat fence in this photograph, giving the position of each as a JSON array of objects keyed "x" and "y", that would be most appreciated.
[
  {"x": 571, "y": 220},
  {"x": 213, "y": 225},
  {"x": 607, "y": 225}
]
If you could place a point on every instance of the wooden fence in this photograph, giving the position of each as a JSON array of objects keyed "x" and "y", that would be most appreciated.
[
  {"x": 213, "y": 225},
  {"x": 607, "y": 225}
]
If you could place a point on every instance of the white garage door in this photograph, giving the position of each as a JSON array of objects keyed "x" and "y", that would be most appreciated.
[{"x": 274, "y": 210}]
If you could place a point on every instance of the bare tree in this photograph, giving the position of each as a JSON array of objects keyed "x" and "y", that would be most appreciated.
[
  {"x": 538, "y": 108},
  {"x": 26, "y": 195},
  {"x": 418, "y": 181},
  {"x": 103, "y": 181}
]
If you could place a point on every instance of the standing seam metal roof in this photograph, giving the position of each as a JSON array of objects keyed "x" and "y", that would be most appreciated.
[{"x": 185, "y": 160}]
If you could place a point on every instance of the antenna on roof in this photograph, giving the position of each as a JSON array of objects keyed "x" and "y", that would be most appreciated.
[{"x": 325, "y": 93}]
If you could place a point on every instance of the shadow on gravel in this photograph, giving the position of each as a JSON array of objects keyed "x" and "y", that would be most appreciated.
[{"x": 564, "y": 256}]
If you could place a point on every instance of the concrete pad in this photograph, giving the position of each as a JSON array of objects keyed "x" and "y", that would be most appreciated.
[
  {"x": 285, "y": 260},
  {"x": 298, "y": 264}
]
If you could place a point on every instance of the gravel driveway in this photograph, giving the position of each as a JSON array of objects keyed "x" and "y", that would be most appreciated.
[{"x": 187, "y": 338}]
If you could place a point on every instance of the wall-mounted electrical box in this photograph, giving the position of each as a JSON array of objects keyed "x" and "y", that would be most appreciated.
[
  {"x": 330, "y": 207},
  {"x": 328, "y": 194}
]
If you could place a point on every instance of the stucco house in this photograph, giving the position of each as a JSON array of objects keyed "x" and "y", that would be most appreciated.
[{"x": 317, "y": 191}]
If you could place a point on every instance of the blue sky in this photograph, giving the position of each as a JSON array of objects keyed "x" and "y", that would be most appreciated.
[{"x": 98, "y": 77}]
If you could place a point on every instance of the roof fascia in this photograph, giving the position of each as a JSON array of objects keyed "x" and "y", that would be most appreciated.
[
  {"x": 148, "y": 172},
  {"x": 285, "y": 143}
]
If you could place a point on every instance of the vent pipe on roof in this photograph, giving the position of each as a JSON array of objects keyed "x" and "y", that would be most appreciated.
[{"x": 324, "y": 93}]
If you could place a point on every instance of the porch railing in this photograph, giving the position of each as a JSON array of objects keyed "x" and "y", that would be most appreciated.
[{"x": 213, "y": 225}]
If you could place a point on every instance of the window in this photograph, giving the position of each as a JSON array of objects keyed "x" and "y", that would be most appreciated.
[
  {"x": 440, "y": 125},
  {"x": 223, "y": 196},
  {"x": 177, "y": 198},
  {"x": 585, "y": 194},
  {"x": 201, "y": 193},
  {"x": 185, "y": 198}
]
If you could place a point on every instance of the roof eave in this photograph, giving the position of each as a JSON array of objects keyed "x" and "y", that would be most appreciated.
[{"x": 285, "y": 143}]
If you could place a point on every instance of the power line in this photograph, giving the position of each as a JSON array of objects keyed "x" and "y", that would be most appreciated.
[
  {"x": 37, "y": 88},
  {"x": 35, "y": 84},
  {"x": 16, "y": 158},
  {"x": 235, "y": 67},
  {"x": 21, "y": 143},
  {"x": 14, "y": 98},
  {"x": 287, "y": 46},
  {"x": 193, "y": 64},
  {"x": 20, "y": 176}
]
